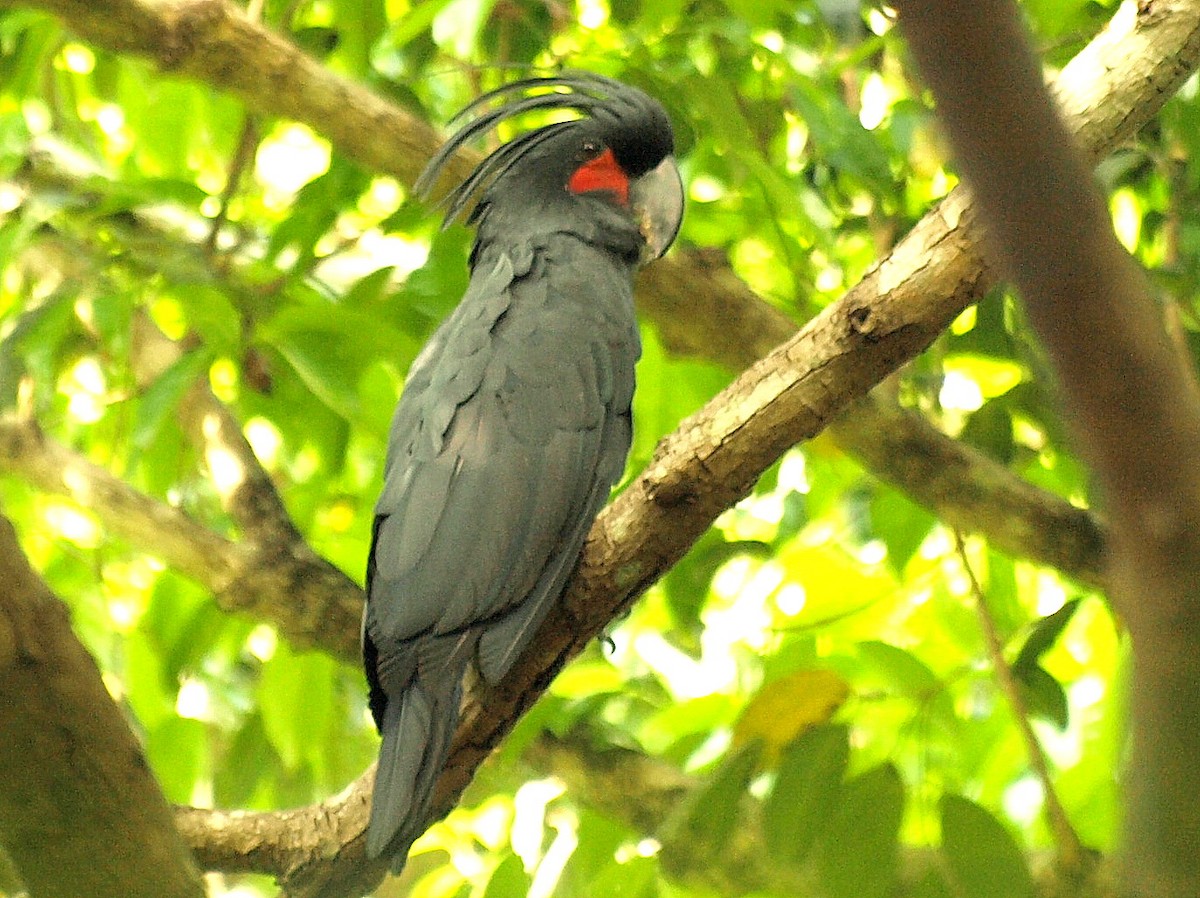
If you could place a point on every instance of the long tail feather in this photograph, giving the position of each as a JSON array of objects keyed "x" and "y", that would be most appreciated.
[{"x": 416, "y": 731}]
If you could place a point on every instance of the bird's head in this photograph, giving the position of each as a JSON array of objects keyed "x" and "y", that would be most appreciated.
[{"x": 612, "y": 164}]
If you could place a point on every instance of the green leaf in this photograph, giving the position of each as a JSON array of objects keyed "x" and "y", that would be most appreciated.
[
  {"x": 177, "y": 750},
  {"x": 981, "y": 854},
  {"x": 637, "y": 877},
  {"x": 33, "y": 344},
  {"x": 990, "y": 430},
  {"x": 121, "y": 196},
  {"x": 760, "y": 13},
  {"x": 710, "y": 815},
  {"x": 416, "y": 20},
  {"x": 317, "y": 41},
  {"x": 686, "y": 584},
  {"x": 160, "y": 401},
  {"x": 806, "y": 790},
  {"x": 151, "y": 695},
  {"x": 370, "y": 290},
  {"x": 331, "y": 348},
  {"x": 901, "y": 523},
  {"x": 1045, "y": 634},
  {"x": 858, "y": 848},
  {"x": 457, "y": 26},
  {"x": 247, "y": 759},
  {"x": 295, "y": 696},
  {"x": 678, "y": 720},
  {"x": 210, "y": 314},
  {"x": 839, "y": 136},
  {"x": 1044, "y": 696},
  {"x": 933, "y": 884},
  {"x": 508, "y": 880},
  {"x": 28, "y": 38},
  {"x": 184, "y": 624},
  {"x": 318, "y": 204},
  {"x": 592, "y": 862}
]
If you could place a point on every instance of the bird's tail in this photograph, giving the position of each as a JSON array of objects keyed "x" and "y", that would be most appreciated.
[{"x": 416, "y": 731}]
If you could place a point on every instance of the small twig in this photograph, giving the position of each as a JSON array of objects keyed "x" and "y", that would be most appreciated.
[
  {"x": 243, "y": 155},
  {"x": 247, "y": 142},
  {"x": 1070, "y": 849}
]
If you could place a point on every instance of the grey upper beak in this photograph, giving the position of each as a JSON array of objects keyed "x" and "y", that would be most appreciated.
[{"x": 656, "y": 198}]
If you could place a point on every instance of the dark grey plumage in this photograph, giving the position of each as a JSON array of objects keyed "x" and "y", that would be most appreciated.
[{"x": 513, "y": 426}]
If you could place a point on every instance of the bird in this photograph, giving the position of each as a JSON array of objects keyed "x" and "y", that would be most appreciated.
[{"x": 514, "y": 422}]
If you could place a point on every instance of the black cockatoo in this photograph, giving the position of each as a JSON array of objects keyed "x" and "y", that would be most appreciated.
[{"x": 515, "y": 418}]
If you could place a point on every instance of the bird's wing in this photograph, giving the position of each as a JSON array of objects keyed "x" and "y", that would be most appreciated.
[{"x": 511, "y": 433}]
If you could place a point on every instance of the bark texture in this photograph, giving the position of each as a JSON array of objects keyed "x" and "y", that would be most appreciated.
[{"x": 80, "y": 812}]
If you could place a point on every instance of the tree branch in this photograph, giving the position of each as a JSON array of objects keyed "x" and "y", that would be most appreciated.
[
  {"x": 971, "y": 492},
  {"x": 275, "y": 842},
  {"x": 74, "y": 785},
  {"x": 639, "y": 791},
  {"x": 718, "y": 317},
  {"x": 1135, "y": 409},
  {"x": 213, "y": 41},
  {"x": 312, "y": 602}
]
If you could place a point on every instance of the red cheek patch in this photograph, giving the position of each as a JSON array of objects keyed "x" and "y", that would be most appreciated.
[{"x": 601, "y": 173}]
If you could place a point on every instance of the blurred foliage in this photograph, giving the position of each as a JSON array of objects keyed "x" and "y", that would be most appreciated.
[{"x": 807, "y": 152}]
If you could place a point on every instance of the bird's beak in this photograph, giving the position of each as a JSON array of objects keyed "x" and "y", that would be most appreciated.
[{"x": 656, "y": 198}]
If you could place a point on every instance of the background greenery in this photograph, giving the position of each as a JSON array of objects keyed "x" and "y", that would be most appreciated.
[{"x": 819, "y": 663}]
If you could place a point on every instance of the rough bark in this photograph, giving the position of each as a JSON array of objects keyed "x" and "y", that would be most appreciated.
[
  {"x": 1134, "y": 408},
  {"x": 80, "y": 812}
]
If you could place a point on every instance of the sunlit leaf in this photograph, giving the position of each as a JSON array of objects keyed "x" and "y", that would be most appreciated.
[
  {"x": 901, "y": 523},
  {"x": 900, "y": 670},
  {"x": 785, "y": 708},
  {"x": 681, "y": 719},
  {"x": 835, "y": 583},
  {"x": 160, "y": 401},
  {"x": 177, "y": 754},
  {"x": 686, "y": 585},
  {"x": 508, "y": 880},
  {"x": 295, "y": 696},
  {"x": 1045, "y": 634},
  {"x": 331, "y": 348}
]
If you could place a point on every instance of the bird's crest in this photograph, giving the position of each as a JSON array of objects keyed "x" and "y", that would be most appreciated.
[{"x": 637, "y": 126}]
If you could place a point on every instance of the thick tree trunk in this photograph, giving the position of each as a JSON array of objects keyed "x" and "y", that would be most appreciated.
[{"x": 1135, "y": 409}]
